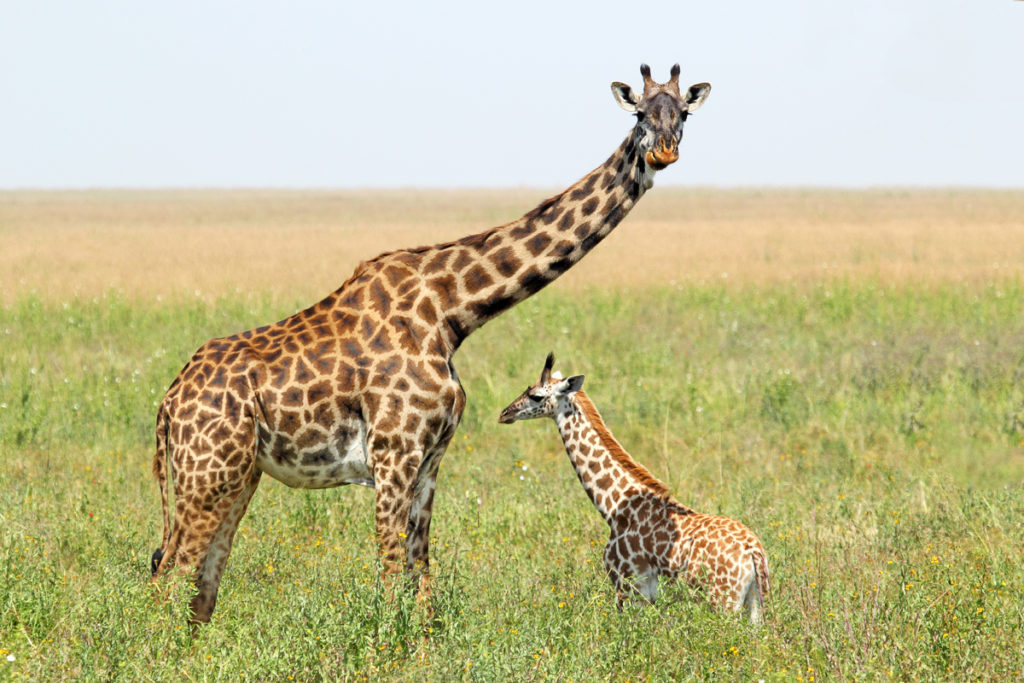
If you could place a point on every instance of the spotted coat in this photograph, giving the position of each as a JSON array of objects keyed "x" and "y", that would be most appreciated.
[
  {"x": 652, "y": 534},
  {"x": 360, "y": 388}
]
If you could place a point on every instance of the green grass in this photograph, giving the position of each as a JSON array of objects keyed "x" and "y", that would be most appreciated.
[{"x": 873, "y": 437}]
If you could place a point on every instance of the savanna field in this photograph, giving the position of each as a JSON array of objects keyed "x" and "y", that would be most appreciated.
[{"x": 841, "y": 371}]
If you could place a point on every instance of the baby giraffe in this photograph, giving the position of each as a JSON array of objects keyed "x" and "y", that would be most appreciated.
[{"x": 652, "y": 535}]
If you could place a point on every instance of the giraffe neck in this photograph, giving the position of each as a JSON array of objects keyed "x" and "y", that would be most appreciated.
[
  {"x": 505, "y": 265},
  {"x": 608, "y": 474}
]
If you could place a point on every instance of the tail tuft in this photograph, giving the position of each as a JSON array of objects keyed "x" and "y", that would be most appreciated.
[{"x": 154, "y": 563}]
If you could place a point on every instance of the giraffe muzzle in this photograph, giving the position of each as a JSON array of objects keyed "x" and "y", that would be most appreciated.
[{"x": 663, "y": 154}]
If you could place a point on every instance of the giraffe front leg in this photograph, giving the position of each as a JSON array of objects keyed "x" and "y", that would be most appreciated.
[
  {"x": 394, "y": 475},
  {"x": 633, "y": 580},
  {"x": 612, "y": 565},
  {"x": 418, "y": 558}
]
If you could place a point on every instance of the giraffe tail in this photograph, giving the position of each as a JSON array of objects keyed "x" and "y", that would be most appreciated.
[
  {"x": 760, "y": 559},
  {"x": 161, "y": 467}
]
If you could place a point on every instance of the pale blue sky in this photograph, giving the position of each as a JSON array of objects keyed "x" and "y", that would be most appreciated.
[{"x": 455, "y": 94}]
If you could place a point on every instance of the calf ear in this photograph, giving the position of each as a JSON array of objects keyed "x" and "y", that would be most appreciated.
[
  {"x": 696, "y": 95},
  {"x": 575, "y": 383},
  {"x": 625, "y": 96}
]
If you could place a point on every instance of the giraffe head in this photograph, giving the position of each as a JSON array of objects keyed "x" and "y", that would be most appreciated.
[
  {"x": 660, "y": 113},
  {"x": 549, "y": 397}
]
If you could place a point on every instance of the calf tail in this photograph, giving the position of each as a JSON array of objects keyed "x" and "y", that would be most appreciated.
[{"x": 761, "y": 572}]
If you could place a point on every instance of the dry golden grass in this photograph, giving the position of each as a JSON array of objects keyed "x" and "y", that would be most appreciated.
[{"x": 306, "y": 243}]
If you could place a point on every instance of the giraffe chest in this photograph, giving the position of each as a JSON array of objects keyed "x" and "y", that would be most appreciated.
[
  {"x": 648, "y": 538},
  {"x": 316, "y": 459}
]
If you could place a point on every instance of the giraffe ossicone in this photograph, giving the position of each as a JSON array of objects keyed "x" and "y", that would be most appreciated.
[
  {"x": 360, "y": 388},
  {"x": 652, "y": 534}
]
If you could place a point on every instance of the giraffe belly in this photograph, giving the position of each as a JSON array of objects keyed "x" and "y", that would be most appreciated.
[{"x": 331, "y": 462}]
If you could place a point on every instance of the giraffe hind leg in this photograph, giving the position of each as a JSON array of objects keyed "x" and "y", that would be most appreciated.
[
  {"x": 205, "y": 518},
  {"x": 647, "y": 585},
  {"x": 753, "y": 604},
  {"x": 752, "y": 597},
  {"x": 212, "y": 567}
]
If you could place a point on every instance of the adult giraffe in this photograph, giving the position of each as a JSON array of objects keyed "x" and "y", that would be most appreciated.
[{"x": 360, "y": 387}]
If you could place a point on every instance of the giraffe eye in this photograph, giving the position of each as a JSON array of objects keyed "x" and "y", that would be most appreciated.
[{"x": 534, "y": 396}]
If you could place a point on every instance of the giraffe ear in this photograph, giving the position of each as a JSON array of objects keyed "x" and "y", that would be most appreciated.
[
  {"x": 574, "y": 383},
  {"x": 696, "y": 95},
  {"x": 625, "y": 96}
]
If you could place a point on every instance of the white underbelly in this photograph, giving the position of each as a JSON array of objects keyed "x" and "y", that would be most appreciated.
[{"x": 333, "y": 462}]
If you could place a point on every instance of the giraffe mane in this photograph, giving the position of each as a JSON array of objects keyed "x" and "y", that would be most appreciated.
[
  {"x": 474, "y": 240},
  {"x": 619, "y": 454}
]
